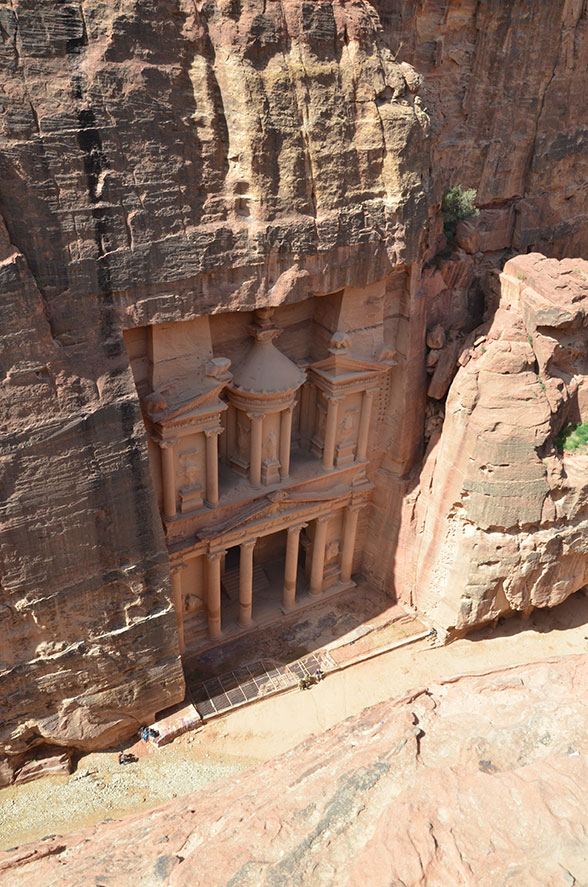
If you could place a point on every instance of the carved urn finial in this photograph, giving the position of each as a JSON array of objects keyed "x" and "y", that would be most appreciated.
[
  {"x": 340, "y": 343},
  {"x": 262, "y": 329}
]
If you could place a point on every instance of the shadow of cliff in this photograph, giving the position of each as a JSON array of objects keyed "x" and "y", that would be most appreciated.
[{"x": 571, "y": 613}]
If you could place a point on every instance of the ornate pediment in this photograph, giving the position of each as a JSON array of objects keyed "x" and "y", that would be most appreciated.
[
  {"x": 165, "y": 409},
  {"x": 340, "y": 371}
]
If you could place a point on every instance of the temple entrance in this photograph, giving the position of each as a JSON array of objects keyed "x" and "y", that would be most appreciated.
[{"x": 269, "y": 555}]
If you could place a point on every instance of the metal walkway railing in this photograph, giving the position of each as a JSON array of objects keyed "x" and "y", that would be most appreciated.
[{"x": 250, "y": 682}]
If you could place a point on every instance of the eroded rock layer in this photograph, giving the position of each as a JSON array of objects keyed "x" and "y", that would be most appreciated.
[
  {"x": 479, "y": 780},
  {"x": 159, "y": 162},
  {"x": 162, "y": 161},
  {"x": 505, "y": 82},
  {"x": 499, "y": 518}
]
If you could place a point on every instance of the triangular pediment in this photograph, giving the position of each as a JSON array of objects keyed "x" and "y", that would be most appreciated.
[
  {"x": 277, "y": 506},
  {"x": 251, "y": 514},
  {"x": 202, "y": 402}
]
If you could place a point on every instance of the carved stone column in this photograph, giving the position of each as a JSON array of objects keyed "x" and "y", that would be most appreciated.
[
  {"x": 176, "y": 575},
  {"x": 231, "y": 434},
  {"x": 246, "y": 583},
  {"x": 168, "y": 477},
  {"x": 330, "y": 432},
  {"x": 349, "y": 535},
  {"x": 212, "y": 466},
  {"x": 364, "y": 424},
  {"x": 318, "y": 556},
  {"x": 213, "y": 593},
  {"x": 291, "y": 567},
  {"x": 285, "y": 441},
  {"x": 255, "y": 443}
]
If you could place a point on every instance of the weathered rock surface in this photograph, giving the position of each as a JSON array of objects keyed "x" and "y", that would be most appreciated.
[
  {"x": 164, "y": 160},
  {"x": 505, "y": 83},
  {"x": 160, "y": 161},
  {"x": 499, "y": 519},
  {"x": 480, "y": 780}
]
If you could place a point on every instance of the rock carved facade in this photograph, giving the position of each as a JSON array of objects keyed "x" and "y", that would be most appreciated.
[{"x": 259, "y": 460}]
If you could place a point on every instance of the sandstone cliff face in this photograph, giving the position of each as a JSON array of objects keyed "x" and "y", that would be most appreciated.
[
  {"x": 505, "y": 83},
  {"x": 480, "y": 781},
  {"x": 160, "y": 161},
  {"x": 164, "y": 160},
  {"x": 499, "y": 519}
]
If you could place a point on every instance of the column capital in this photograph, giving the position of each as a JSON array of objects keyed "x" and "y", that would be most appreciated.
[
  {"x": 175, "y": 568},
  {"x": 255, "y": 417},
  {"x": 334, "y": 398},
  {"x": 215, "y": 555},
  {"x": 209, "y": 432},
  {"x": 248, "y": 545},
  {"x": 296, "y": 529},
  {"x": 167, "y": 443},
  {"x": 355, "y": 506},
  {"x": 322, "y": 518}
]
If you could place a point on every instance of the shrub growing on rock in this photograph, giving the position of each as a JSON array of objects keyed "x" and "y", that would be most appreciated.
[
  {"x": 457, "y": 205},
  {"x": 573, "y": 437}
]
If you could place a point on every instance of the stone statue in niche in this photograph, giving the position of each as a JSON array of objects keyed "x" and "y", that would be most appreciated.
[
  {"x": 321, "y": 416},
  {"x": 242, "y": 437},
  {"x": 332, "y": 551},
  {"x": 347, "y": 425},
  {"x": 271, "y": 446},
  {"x": 190, "y": 468}
]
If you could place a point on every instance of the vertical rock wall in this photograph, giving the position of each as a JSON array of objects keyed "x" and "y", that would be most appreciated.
[
  {"x": 160, "y": 161},
  {"x": 506, "y": 85},
  {"x": 497, "y": 520}
]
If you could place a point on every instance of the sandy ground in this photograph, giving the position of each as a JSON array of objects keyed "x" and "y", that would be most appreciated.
[{"x": 101, "y": 789}]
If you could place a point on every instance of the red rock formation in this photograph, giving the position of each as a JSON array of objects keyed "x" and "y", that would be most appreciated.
[
  {"x": 505, "y": 84},
  {"x": 479, "y": 780},
  {"x": 498, "y": 521},
  {"x": 159, "y": 162},
  {"x": 163, "y": 160}
]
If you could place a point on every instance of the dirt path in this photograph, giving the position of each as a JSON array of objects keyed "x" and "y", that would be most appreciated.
[{"x": 263, "y": 730}]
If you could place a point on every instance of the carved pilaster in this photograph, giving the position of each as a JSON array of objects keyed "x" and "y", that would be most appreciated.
[
  {"x": 285, "y": 441},
  {"x": 364, "y": 424},
  {"x": 255, "y": 441},
  {"x": 331, "y": 431},
  {"x": 212, "y": 466}
]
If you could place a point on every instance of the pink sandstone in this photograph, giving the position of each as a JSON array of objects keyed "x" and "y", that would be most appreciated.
[
  {"x": 479, "y": 780},
  {"x": 499, "y": 519},
  {"x": 164, "y": 162}
]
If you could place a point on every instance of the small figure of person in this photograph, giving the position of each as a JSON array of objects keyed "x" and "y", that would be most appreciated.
[{"x": 126, "y": 758}]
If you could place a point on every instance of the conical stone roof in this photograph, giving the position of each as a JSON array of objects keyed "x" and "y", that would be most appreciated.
[{"x": 265, "y": 370}]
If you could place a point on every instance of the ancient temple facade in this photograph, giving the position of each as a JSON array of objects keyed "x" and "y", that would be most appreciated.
[{"x": 261, "y": 427}]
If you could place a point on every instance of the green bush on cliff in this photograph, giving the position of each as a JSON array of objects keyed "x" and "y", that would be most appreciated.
[
  {"x": 572, "y": 437},
  {"x": 457, "y": 205}
]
